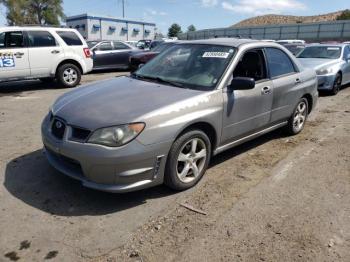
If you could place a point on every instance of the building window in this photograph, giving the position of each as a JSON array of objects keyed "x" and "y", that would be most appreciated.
[
  {"x": 96, "y": 27},
  {"x": 136, "y": 30}
]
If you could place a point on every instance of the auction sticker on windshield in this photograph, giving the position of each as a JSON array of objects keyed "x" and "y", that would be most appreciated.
[
  {"x": 216, "y": 55},
  {"x": 7, "y": 60}
]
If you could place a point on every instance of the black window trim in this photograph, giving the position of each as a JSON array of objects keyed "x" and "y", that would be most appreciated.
[
  {"x": 27, "y": 39},
  {"x": 296, "y": 68},
  {"x": 25, "y": 42},
  {"x": 268, "y": 78},
  {"x": 67, "y": 31}
]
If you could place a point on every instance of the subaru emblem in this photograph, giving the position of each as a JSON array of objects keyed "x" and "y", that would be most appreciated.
[{"x": 58, "y": 125}]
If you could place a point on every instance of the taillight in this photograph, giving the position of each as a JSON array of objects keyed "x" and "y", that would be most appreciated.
[{"x": 87, "y": 52}]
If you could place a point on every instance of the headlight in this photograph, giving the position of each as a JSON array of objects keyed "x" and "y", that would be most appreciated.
[
  {"x": 117, "y": 135},
  {"x": 324, "y": 71}
]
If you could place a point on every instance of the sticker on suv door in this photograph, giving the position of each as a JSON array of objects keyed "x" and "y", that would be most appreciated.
[{"x": 7, "y": 60}]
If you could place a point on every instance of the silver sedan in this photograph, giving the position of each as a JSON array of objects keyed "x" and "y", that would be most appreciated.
[
  {"x": 163, "y": 123},
  {"x": 331, "y": 62}
]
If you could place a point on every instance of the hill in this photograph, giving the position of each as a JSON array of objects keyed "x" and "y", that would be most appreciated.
[{"x": 287, "y": 19}]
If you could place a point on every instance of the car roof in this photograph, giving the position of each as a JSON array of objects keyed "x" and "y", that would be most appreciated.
[
  {"x": 36, "y": 28},
  {"x": 330, "y": 44},
  {"x": 234, "y": 42}
]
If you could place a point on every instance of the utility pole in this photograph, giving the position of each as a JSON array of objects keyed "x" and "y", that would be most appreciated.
[{"x": 123, "y": 3}]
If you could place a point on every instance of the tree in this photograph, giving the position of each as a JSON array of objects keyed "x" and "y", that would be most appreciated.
[
  {"x": 191, "y": 28},
  {"x": 41, "y": 12},
  {"x": 174, "y": 30},
  {"x": 345, "y": 15}
]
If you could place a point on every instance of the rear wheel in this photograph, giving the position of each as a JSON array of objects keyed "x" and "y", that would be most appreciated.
[
  {"x": 188, "y": 160},
  {"x": 337, "y": 84},
  {"x": 297, "y": 121},
  {"x": 68, "y": 75}
]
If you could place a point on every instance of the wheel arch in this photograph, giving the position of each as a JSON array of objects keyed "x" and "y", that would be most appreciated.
[
  {"x": 309, "y": 101},
  {"x": 69, "y": 61},
  {"x": 204, "y": 126}
]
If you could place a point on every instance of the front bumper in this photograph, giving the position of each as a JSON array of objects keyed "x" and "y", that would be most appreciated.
[
  {"x": 124, "y": 169},
  {"x": 325, "y": 82}
]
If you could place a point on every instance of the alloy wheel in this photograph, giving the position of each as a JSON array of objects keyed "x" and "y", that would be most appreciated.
[
  {"x": 70, "y": 75},
  {"x": 300, "y": 116},
  {"x": 191, "y": 160}
]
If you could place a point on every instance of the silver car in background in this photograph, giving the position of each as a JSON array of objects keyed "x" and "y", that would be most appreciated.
[
  {"x": 331, "y": 62},
  {"x": 163, "y": 123}
]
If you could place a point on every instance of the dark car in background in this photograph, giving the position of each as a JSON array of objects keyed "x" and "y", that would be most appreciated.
[
  {"x": 142, "y": 58},
  {"x": 148, "y": 44},
  {"x": 111, "y": 54}
]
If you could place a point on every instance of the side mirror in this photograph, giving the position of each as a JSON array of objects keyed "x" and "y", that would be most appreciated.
[
  {"x": 242, "y": 83},
  {"x": 347, "y": 59}
]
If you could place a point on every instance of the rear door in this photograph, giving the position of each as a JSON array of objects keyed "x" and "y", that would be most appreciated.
[
  {"x": 247, "y": 111},
  {"x": 286, "y": 81},
  {"x": 121, "y": 52},
  {"x": 44, "y": 52},
  {"x": 14, "y": 59}
]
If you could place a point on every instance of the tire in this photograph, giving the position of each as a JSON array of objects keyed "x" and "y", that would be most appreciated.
[
  {"x": 185, "y": 167},
  {"x": 68, "y": 75},
  {"x": 337, "y": 84},
  {"x": 298, "y": 119}
]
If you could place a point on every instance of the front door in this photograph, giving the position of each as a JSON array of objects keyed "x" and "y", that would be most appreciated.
[
  {"x": 14, "y": 60},
  {"x": 247, "y": 111},
  {"x": 102, "y": 55}
]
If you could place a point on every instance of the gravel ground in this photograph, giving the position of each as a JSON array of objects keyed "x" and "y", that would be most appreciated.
[{"x": 275, "y": 198}]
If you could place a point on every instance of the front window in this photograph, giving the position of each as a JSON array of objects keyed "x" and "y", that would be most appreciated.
[
  {"x": 194, "y": 66},
  {"x": 325, "y": 52}
]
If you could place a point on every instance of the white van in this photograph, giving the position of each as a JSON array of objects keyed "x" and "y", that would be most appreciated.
[{"x": 44, "y": 53}]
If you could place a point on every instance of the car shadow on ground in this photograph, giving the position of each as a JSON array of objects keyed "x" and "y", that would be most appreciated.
[
  {"x": 16, "y": 87},
  {"x": 31, "y": 179}
]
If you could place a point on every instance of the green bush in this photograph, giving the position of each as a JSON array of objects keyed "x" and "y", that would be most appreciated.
[{"x": 345, "y": 15}]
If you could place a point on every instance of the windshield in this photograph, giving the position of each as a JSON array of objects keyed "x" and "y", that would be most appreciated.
[
  {"x": 326, "y": 52},
  {"x": 294, "y": 49},
  {"x": 162, "y": 47},
  {"x": 91, "y": 44},
  {"x": 194, "y": 66}
]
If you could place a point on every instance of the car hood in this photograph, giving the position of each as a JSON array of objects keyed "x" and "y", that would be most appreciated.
[
  {"x": 317, "y": 63},
  {"x": 116, "y": 101}
]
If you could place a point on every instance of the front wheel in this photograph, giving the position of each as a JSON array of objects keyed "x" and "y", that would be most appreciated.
[
  {"x": 297, "y": 121},
  {"x": 68, "y": 75},
  {"x": 188, "y": 160},
  {"x": 337, "y": 84}
]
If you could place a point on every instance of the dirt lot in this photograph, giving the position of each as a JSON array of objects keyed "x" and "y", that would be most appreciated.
[{"x": 273, "y": 199}]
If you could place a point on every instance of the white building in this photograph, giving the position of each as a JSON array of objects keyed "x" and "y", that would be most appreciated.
[{"x": 94, "y": 27}]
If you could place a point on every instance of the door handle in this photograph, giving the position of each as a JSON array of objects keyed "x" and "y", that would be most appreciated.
[
  {"x": 18, "y": 54},
  {"x": 266, "y": 90},
  {"x": 55, "y": 52}
]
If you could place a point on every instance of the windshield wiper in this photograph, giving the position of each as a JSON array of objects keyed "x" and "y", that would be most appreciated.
[{"x": 158, "y": 79}]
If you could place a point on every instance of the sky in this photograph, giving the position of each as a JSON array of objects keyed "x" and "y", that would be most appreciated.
[{"x": 201, "y": 13}]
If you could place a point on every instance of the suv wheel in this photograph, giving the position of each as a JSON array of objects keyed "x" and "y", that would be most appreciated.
[
  {"x": 68, "y": 75},
  {"x": 297, "y": 121},
  {"x": 337, "y": 84},
  {"x": 188, "y": 160}
]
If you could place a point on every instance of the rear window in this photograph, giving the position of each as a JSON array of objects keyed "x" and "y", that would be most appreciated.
[
  {"x": 70, "y": 38},
  {"x": 41, "y": 39}
]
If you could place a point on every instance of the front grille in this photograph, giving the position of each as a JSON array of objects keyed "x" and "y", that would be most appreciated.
[
  {"x": 58, "y": 128},
  {"x": 80, "y": 134}
]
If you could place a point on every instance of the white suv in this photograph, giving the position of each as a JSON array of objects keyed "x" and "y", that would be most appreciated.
[{"x": 43, "y": 53}]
